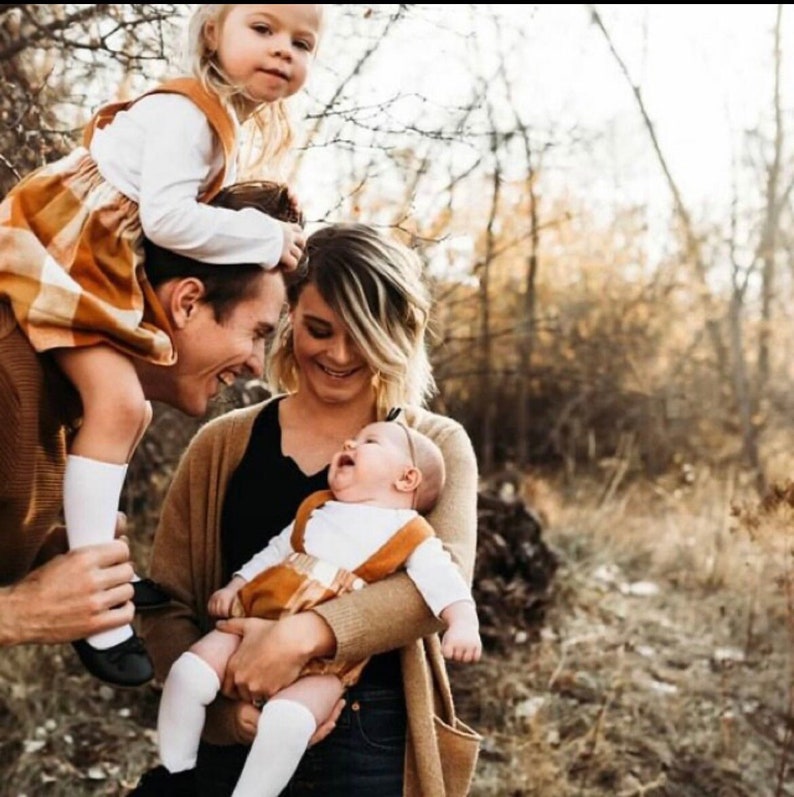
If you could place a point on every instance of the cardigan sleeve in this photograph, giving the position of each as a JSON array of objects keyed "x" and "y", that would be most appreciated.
[
  {"x": 185, "y": 557},
  {"x": 365, "y": 622},
  {"x": 172, "y": 630}
]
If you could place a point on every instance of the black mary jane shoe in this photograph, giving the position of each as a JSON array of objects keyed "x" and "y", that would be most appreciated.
[
  {"x": 149, "y": 594},
  {"x": 159, "y": 782},
  {"x": 125, "y": 664}
]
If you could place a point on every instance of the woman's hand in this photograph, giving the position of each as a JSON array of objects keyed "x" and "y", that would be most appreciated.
[
  {"x": 272, "y": 654},
  {"x": 294, "y": 244},
  {"x": 246, "y": 718},
  {"x": 244, "y": 670}
]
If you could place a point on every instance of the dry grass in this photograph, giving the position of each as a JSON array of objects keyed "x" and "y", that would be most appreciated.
[
  {"x": 664, "y": 667},
  {"x": 665, "y": 664}
]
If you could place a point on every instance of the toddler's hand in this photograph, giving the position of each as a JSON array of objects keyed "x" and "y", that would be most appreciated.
[
  {"x": 461, "y": 642},
  {"x": 294, "y": 244},
  {"x": 294, "y": 204}
]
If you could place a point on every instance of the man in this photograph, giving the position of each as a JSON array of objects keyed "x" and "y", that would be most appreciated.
[{"x": 220, "y": 317}]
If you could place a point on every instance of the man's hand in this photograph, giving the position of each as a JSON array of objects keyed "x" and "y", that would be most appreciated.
[{"x": 72, "y": 596}]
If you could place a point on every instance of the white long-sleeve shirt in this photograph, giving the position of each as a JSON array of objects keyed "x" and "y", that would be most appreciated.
[
  {"x": 346, "y": 535},
  {"x": 162, "y": 153}
]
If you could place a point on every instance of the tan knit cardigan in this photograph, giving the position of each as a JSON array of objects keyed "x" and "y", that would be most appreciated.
[{"x": 441, "y": 751}]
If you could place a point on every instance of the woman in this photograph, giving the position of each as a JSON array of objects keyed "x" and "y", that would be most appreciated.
[{"x": 351, "y": 347}]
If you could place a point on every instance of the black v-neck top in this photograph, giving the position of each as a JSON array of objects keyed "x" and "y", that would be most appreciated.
[{"x": 263, "y": 495}]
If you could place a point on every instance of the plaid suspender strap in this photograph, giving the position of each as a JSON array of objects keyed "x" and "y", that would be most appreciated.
[
  {"x": 189, "y": 87},
  {"x": 308, "y": 505},
  {"x": 387, "y": 559},
  {"x": 394, "y": 552}
]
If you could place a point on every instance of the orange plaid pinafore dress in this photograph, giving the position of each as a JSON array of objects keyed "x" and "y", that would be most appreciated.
[
  {"x": 302, "y": 581},
  {"x": 71, "y": 247}
]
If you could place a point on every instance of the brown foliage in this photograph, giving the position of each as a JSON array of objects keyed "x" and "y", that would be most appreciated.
[
  {"x": 57, "y": 63},
  {"x": 514, "y": 571}
]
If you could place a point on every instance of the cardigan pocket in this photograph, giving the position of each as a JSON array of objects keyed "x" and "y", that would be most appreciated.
[{"x": 458, "y": 746}]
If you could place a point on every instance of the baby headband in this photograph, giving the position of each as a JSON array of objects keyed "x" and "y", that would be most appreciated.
[{"x": 392, "y": 415}]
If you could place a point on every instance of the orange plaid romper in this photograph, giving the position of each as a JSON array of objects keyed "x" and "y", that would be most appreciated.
[
  {"x": 296, "y": 584},
  {"x": 71, "y": 253}
]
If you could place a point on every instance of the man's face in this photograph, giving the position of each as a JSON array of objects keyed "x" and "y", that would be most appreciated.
[{"x": 211, "y": 355}]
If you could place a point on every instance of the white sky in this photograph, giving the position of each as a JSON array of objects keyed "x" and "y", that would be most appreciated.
[{"x": 705, "y": 73}]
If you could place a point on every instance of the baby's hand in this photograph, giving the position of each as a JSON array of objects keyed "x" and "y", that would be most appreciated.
[
  {"x": 220, "y": 602},
  {"x": 461, "y": 642},
  {"x": 294, "y": 244}
]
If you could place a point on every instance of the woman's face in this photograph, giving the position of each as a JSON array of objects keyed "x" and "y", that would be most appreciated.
[{"x": 330, "y": 365}]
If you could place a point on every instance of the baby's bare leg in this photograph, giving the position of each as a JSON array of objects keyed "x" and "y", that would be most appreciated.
[
  {"x": 216, "y": 648},
  {"x": 286, "y": 724},
  {"x": 319, "y": 693},
  {"x": 192, "y": 684}
]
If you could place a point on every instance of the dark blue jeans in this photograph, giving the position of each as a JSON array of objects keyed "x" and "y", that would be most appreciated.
[{"x": 363, "y": 757}]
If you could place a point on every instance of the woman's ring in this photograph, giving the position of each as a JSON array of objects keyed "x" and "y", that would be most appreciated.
[{"x": 258, "y": 702}]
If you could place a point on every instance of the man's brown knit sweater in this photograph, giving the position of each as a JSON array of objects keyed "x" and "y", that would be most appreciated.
[{"x": 37, "y": 407}]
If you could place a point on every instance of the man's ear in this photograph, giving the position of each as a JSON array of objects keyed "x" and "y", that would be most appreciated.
[
  {"x": 184, "y": 300},
  {"x": 410, "y": 480}
]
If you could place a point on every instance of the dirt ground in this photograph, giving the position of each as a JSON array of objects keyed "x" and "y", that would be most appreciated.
[
  {"x": 662, "y": 668},
  {"x": 676, "y": 683}
]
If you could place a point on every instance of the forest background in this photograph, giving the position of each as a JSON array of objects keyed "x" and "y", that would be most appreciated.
[{"x": 603, "y": 198}]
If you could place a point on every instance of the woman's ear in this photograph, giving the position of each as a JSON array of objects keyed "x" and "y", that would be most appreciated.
[
  {"x": 185, "y": 299},
  {"x": 410, "y": 480}
]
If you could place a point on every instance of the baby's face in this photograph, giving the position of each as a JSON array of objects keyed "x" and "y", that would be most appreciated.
[{"x": 369, "y": 464}]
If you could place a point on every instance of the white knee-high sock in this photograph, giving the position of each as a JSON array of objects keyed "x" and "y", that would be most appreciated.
[
  {"x": 190, "y": 687},
  {"x": 282, "y": 736},
  {"x": 91, "y": 492}
]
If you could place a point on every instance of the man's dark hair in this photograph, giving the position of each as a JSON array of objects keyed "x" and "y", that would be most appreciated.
[{"x": 225, "y": 285}]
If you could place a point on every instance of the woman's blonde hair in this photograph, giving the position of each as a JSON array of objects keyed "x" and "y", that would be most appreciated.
[
  {"x": 270, "y": 128},
  {"x": 375, "y": 286}
]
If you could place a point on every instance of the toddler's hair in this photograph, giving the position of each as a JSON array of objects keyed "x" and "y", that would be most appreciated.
[{"x": 270, "y": 126}]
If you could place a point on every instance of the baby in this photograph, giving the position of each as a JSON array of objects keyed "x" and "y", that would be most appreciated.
[{"x": 367, "y": 526}]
